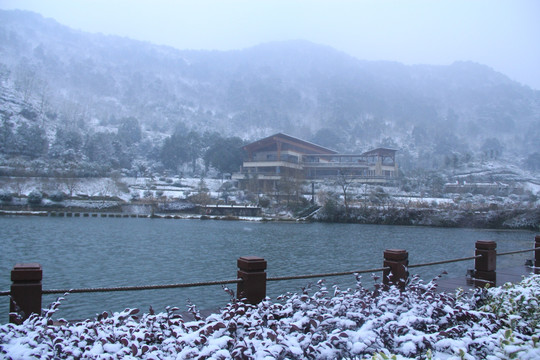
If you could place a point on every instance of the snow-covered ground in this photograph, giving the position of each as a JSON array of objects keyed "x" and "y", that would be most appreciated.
[
  {"x": 123, "y": 188},
  {"x": 179, "y": 189},
  {"x": 172, "y": 188}
]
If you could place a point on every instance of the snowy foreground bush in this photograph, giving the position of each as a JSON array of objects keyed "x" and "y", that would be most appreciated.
[{"x": 499, "y": 323}]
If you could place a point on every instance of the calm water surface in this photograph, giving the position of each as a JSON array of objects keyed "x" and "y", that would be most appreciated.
[{"x": 106, "y": 252}]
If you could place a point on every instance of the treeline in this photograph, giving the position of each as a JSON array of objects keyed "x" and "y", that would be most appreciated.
[{"x": 121, "y": 146}]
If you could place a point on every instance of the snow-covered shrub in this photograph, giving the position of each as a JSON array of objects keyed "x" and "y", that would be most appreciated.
[
  {"x": 330, "y": 210},
  {"x": 5, "y": 196},
  {"x": 517, "y": 305},
  {"x": 359, "y": 323},
  {"x": 35, "y": 197},
  {"x": 29, "y": 114},
  {"x": 264, "y": 202},
  {"x": 57, "y": 196}
]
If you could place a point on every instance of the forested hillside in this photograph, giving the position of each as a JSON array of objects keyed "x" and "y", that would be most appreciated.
[{"x": 107, "y": 103}]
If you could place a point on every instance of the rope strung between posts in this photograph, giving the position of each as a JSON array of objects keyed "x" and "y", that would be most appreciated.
[
  {"x": 445, "y": 261},
  {"x": 236, "y": 281},
  {"x": 170, "y": 286},
  {"x": 517, "y": 251},
  {"x": 326, "y": 275},
  {"x": 146, "y": 287}
]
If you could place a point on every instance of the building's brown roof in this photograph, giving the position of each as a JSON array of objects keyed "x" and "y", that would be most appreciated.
[
  {"x": 280, "y": 137},
  {"x": 380, "y": 152}
]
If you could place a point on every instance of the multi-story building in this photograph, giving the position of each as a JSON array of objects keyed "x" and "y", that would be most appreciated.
[{"x": 281, "y": 156}]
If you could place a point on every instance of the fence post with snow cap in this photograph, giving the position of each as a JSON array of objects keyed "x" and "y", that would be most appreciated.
[
  {"x": 397, "y": 262},
  {"x": 485, "y": 265},
  {"x": 251, "y": 269},
  {"x": 25, "y": 291}
]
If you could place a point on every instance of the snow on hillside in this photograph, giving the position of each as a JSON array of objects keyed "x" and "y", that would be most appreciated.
[{"x": 123, "y": 188}]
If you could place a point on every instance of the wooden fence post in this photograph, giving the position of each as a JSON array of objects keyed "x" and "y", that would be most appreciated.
[
  {"x": 25, "y": 291},
  {"x": 253, "y": 285},
  {"x": 398, "y": 261},
  {"x": 485, "y": 266}
]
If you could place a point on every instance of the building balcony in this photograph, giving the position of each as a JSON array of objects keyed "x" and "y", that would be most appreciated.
[
  {"x": 263, "y": 164},
  {"x": 258, "y": 176},
  {"x": 337, "y": 165}
]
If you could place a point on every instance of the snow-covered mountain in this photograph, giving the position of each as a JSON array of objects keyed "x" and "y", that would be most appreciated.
[{"x": 53, "y": 77}]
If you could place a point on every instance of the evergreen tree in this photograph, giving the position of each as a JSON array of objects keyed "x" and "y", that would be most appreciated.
[
  {"x": 99, "y": 148},
  {"x": 174, "y": 151},
  {"x": 6, "y": 138},
  {"x": 225, "y": 155},
  {"x": 194, "y": 145},
  {"x": 129, "y": 131},
  {"x": 67, "y": 144},
  {"x": 30, "y": 141}
]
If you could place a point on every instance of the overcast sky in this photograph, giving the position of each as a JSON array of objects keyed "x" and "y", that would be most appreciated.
[{"x": 503, "y": 34}]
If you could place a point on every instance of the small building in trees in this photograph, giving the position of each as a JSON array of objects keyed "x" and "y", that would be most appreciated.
[{"x": 282, "y": 157}]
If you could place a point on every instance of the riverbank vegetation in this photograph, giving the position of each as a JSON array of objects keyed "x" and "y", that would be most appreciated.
[
  {"x": 360, "y": 323},
  {"x": 366, "y": 204},
  {"x": 488, "y": 217}
]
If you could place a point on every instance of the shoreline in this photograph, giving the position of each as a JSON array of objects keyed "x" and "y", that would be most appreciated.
[{"x": 473, "y": 220}]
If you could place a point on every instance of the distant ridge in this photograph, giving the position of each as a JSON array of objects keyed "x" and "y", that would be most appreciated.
[{"x": 297, "y": 87}]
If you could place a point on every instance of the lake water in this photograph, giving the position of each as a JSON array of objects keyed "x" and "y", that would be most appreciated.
[{"x": 106, "y": 252}]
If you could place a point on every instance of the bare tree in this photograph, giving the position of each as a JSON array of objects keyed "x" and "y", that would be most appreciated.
[
  {"x": 71, "y": 184},
  {"x": 344, "y": 180},
  {"x": 4, "y": 73},
  {"x": 20, "y": 185},
  {"x": 286, "y": 187},
  {"x": 43, "y": 100},
  {"x": 25, "y": 81},
  {"x": 70, "y": 180},
  {"x": 202, "y": 197},
  {"x": 253, "y": 185}
]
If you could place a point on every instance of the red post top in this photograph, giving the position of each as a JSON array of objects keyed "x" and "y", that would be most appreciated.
[
  {"x": 27, "y": 272},
  {"x": 537, "y": 238},
  {"x": 251, "y": 263},
  {"x": 486, "y": 245},
  {"x": 396, "y": 254}
]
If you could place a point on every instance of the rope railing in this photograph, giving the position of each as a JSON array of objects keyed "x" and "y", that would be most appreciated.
[
  {"x": 310, "y": 276},
  {"x": 445, "y": 261},
  {"x": 518, "y": 251},
  {"x": 207, "y": 283},
  {"x": 236, "y": 281},
  {"x": 225, "y": 282},
  {"x": 133, "y": 288},
  {"x": 143, "y": 287},
  {"x": 26, "y": 289},
  {"x": 471, "y": 258}
]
